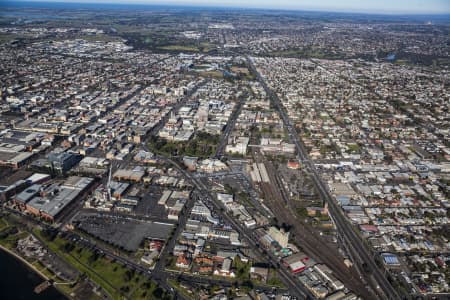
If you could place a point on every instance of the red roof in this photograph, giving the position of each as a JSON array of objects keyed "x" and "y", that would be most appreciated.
[
  {"x": 293, "y": 164},
  {"x": 369, "y": 228}
]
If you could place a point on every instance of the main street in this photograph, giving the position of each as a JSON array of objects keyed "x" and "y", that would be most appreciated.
[
  {"x": 229, "y": 127},
  {"x": 294, "y": 286},
  {"x": 379, "y": 283}
]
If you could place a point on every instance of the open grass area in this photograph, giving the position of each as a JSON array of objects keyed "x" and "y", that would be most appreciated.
[
  {"x": 201, "y": 145},
  {"x": 180, "y": 48},
  {"x": 6, "y": 38},
  {"x": 442, "y": 61},
  {"x": 117, "y": 280},
  {"x": 354, "y": 148},
  {"x": 201, "y": 47},
  {"x": 3, "y": 224},
  {"x": 242, "y": 269},
  {"x": 10, "y": 235},
  {"x": 176, "y": 285},
  {"x": 213, "y": 74},
  {"x": 273, "y": 279},
  {"x": 307, "y": 53}
]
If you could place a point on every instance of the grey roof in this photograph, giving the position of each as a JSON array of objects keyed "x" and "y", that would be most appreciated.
[
  {"x": 62, "y": 196},
  {"x": 28, "y": 193}
]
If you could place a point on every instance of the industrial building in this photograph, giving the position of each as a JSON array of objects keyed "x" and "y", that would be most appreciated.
[{"x": 48, "y": 203}]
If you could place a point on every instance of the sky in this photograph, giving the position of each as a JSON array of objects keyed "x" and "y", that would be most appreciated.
[{"x": 364, "y": 6}]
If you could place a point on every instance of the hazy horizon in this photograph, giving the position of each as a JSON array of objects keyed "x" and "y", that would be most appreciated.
[{"x": 413, "y": 7}]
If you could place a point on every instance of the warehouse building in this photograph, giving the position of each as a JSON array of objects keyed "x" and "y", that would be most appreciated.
[{"x": 54, "y": 199}]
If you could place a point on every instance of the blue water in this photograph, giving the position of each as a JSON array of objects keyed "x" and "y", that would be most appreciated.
[{"x": 17, "y": 281}]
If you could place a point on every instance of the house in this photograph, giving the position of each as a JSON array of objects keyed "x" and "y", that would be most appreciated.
[
  {"x": 292, "y": 164},
  {"x": 183, "y": 262},
  {"x": 225, "y": 270},
  {"x": 259, "y": 273}
]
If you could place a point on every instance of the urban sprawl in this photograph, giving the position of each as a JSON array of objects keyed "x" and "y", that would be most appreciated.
[{"x": 248, "y": 159}]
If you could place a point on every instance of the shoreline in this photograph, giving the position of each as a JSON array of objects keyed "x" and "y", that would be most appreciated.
[
  {"x": 25, "y": 262},
  {"x": 29, "y": 266}
]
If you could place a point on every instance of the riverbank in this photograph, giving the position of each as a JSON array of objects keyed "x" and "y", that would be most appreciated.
[
  {"x": 20, "y": 278},
  {"x": 25, "y": 262}
]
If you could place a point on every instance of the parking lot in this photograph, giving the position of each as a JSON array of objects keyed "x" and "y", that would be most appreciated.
[
  {"x": 122, "y": 231},
  {"x": 148, "y": 205}
]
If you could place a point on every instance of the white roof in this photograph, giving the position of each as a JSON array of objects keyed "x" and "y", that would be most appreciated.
[
  {"x": 297, "y": 265},
  {"x": 37, "y": 177}
]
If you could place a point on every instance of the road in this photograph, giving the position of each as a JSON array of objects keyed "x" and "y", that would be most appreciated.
[
  {"x": 144, "y": 270},
  {"x": 92, "y": 245},
  {"x": 202, "y": 280},
  {"x": 229, "y": 127},
  {"x": 246, "y": 185},
  {"x": 379, "y": 283},
  {"x": 305, "y": 235},
  {"x": 159, "y": 272},
  {"x": 154, "y": 131},
  {"x": 295, "y": 287}
]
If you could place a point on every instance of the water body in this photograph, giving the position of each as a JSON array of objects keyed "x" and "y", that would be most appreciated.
[{"x": 17, "y": 281}]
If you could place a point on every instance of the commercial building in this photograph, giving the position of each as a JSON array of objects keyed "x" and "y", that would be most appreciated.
[
  {"x": 15, "y": 160},
  {"x": 55, "y": 198},
  {"x": 280, "y": 236},
  {"x": 63, "y": 161}
]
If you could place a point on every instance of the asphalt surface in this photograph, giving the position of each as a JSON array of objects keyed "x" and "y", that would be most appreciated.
[
  {"x": 229, "y": 127},
  {"x": 294, "y": 286},
  {"x": 359, "y": 252},
  {"x": 305, "y": 236},
  {"x": 379, "y": 283}
]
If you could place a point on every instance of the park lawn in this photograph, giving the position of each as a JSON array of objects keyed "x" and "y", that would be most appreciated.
[
  {"x": 38, "y": 265},
  {"x": 180, "y": 48},
  {"x": 107, "y": 274},
  {"x": 242, "y": 269},
  {"x": 180, "y": 289},
  {"x": 354, "y": 148},
  {"x": 145, "y": 289},
  {"x": 206, "y": 47},
  {"x": 273, "y": 279},
  {"x": 57, "y": 244},
  {"x": 110, "y": 275},
  {"x": 112, "y": 272},
  {"x": 243, "y": 70},
  {"x": 202, "y": 145},
  {"x": 3, "y": 224},
  {"x": 11, "y": 240},
  {"x": 171, "y": 264},
  {"x": 214, "y": 74},
  {"x": 6, "y": 38}
]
